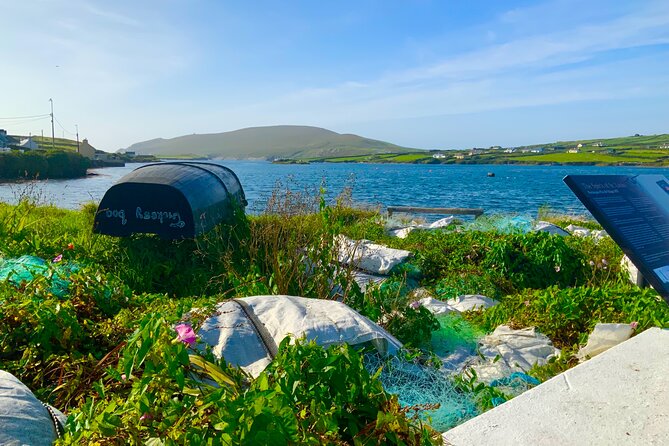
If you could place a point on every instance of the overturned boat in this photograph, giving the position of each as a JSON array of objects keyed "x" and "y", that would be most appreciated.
[{"x": 172, "y": 199}]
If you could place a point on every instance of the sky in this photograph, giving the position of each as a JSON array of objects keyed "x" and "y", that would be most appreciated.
[{"x": 438, "y": 74}]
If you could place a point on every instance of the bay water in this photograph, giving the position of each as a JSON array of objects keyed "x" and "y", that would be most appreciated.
[{"x": 514, "y": 189}]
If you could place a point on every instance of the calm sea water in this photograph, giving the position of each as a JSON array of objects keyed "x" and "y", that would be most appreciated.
[{"x": 514, "y": 189}]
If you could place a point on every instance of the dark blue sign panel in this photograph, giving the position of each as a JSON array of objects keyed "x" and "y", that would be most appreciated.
[{"x": 634, "y": 210}]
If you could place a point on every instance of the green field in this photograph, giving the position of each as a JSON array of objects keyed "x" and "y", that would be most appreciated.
[
  {"x": 587, "y": 157},
  {"x": 629, "y": 150},
  {"x": 58, "y": 143}
]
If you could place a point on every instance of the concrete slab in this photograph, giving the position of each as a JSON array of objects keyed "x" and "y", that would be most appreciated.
[{"x": 620, "y": 397}]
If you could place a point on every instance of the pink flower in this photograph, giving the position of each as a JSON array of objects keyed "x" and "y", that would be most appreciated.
[
  {"x": 146, "y": 416},
  {"x": 124, "y": 377},
  {"x": 185, "y": 334},
  {"x": 557, "y": 268},
  {"x": 57, "y": 259},
  {"x": 527, "y": 303},
  {"x": 415, "y": 304},
  {"x": 634, "y": 325}
]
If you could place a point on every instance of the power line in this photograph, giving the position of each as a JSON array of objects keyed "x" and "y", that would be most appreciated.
[
  {"x": 27, "y": 117},
  {"x": 64, "y": 129},
  {"x": 22, "y": 123}
]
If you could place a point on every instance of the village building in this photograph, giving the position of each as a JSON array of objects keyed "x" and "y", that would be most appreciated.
[
  {"x": 5, "y": 140},
  {"x": 28, "y": 144},
  {"x": 86, "y": 150},
  {"x": 436, "y": 156}
]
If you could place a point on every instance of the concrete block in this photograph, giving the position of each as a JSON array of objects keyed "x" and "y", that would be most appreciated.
[{"x": 620, "y": 397}]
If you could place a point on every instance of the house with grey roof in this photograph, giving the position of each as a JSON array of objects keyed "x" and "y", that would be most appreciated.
[{"x": 6, "y": 140}]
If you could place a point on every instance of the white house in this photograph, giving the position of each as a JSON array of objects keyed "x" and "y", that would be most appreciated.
[
  {"x": 573, "y": 150},
  {"x": 28, "y": 144}
]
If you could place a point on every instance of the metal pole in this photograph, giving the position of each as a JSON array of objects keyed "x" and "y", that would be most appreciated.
[
  {"x": 53, "y": 135},
  {"x": 77, "y": 127}
]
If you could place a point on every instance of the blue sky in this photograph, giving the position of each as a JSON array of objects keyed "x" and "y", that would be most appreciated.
[{"x": 420, "y": 73}]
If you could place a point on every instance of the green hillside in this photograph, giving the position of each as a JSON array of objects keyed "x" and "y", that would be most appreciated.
[
  {"x": 652, "y": 150},
  {"x": 44, "y": 142},
  {"x": 284, "y": 141}
]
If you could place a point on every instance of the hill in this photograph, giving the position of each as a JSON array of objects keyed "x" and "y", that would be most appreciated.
[{"x": 273, "y": 142}]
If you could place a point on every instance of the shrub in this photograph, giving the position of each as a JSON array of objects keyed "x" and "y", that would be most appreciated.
[
  {"x": 568, "y": 315},
  {"x": 162, "y": 393}
]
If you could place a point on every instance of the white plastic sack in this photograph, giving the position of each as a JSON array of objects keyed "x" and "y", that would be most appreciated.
[
  {"x": 544, "y": 226},
  {"x": 441, "y": 223},
  {"x": 578, "y": 231},
  {"x": 401, "y": 232},
  {"x": 404, "y": 231},
  {"x": 368, "y": 256},
  {"x": 233, "y": 337},
  {"x": 23, "y": 418},
  {"x": 603, "y": 337},
  {"x": 364, "y": 279},
  {"x": 468, "y": 302},
  {"x": 507, "y": 350},
  {"x": 599, "y": 234},
  {"x": 436, "y": 306}
]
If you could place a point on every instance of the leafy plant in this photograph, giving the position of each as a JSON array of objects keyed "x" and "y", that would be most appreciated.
[{"x": 567, "y": 315}]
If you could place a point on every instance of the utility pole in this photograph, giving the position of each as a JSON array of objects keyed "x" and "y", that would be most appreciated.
[
  {"x": 77, "y": 126},
  {"x": 53, "y": 135}
]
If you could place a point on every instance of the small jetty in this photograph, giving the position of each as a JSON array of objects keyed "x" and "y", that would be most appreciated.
[{"x": 476, "y": 212}]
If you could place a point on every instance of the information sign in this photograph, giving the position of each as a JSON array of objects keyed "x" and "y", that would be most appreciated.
[{"x": 634, "y": 210}]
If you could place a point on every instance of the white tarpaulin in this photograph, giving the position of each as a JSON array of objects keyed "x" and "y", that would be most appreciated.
[
  {"x": 244, "y": 331},
  {"x": 404, "y": 231},
  {"x": 468, "y": 302},
  {"x": 460, "y": 304},
  {"x": 368, "y": 256},
  {"x": 544, "y": 226},
  {"x": 507, "y": 350},
  {"x": 603, "y": 337}
]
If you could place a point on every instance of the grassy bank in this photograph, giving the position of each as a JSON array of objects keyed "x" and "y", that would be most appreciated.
[
  {"x": 103, "y": 348},
  {"x": 42, "y": 164}
]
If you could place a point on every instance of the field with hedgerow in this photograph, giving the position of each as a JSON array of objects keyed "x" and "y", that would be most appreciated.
[{"x": 94, "y": 334}]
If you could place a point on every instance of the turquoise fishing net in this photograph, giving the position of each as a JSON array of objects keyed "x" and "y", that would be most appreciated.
[
  {"x": 455, "y": 334},
  {"x": 423, "y": 387},
  {"x": 26, "y": 268},
  {"x": 504, "y": 224}
]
